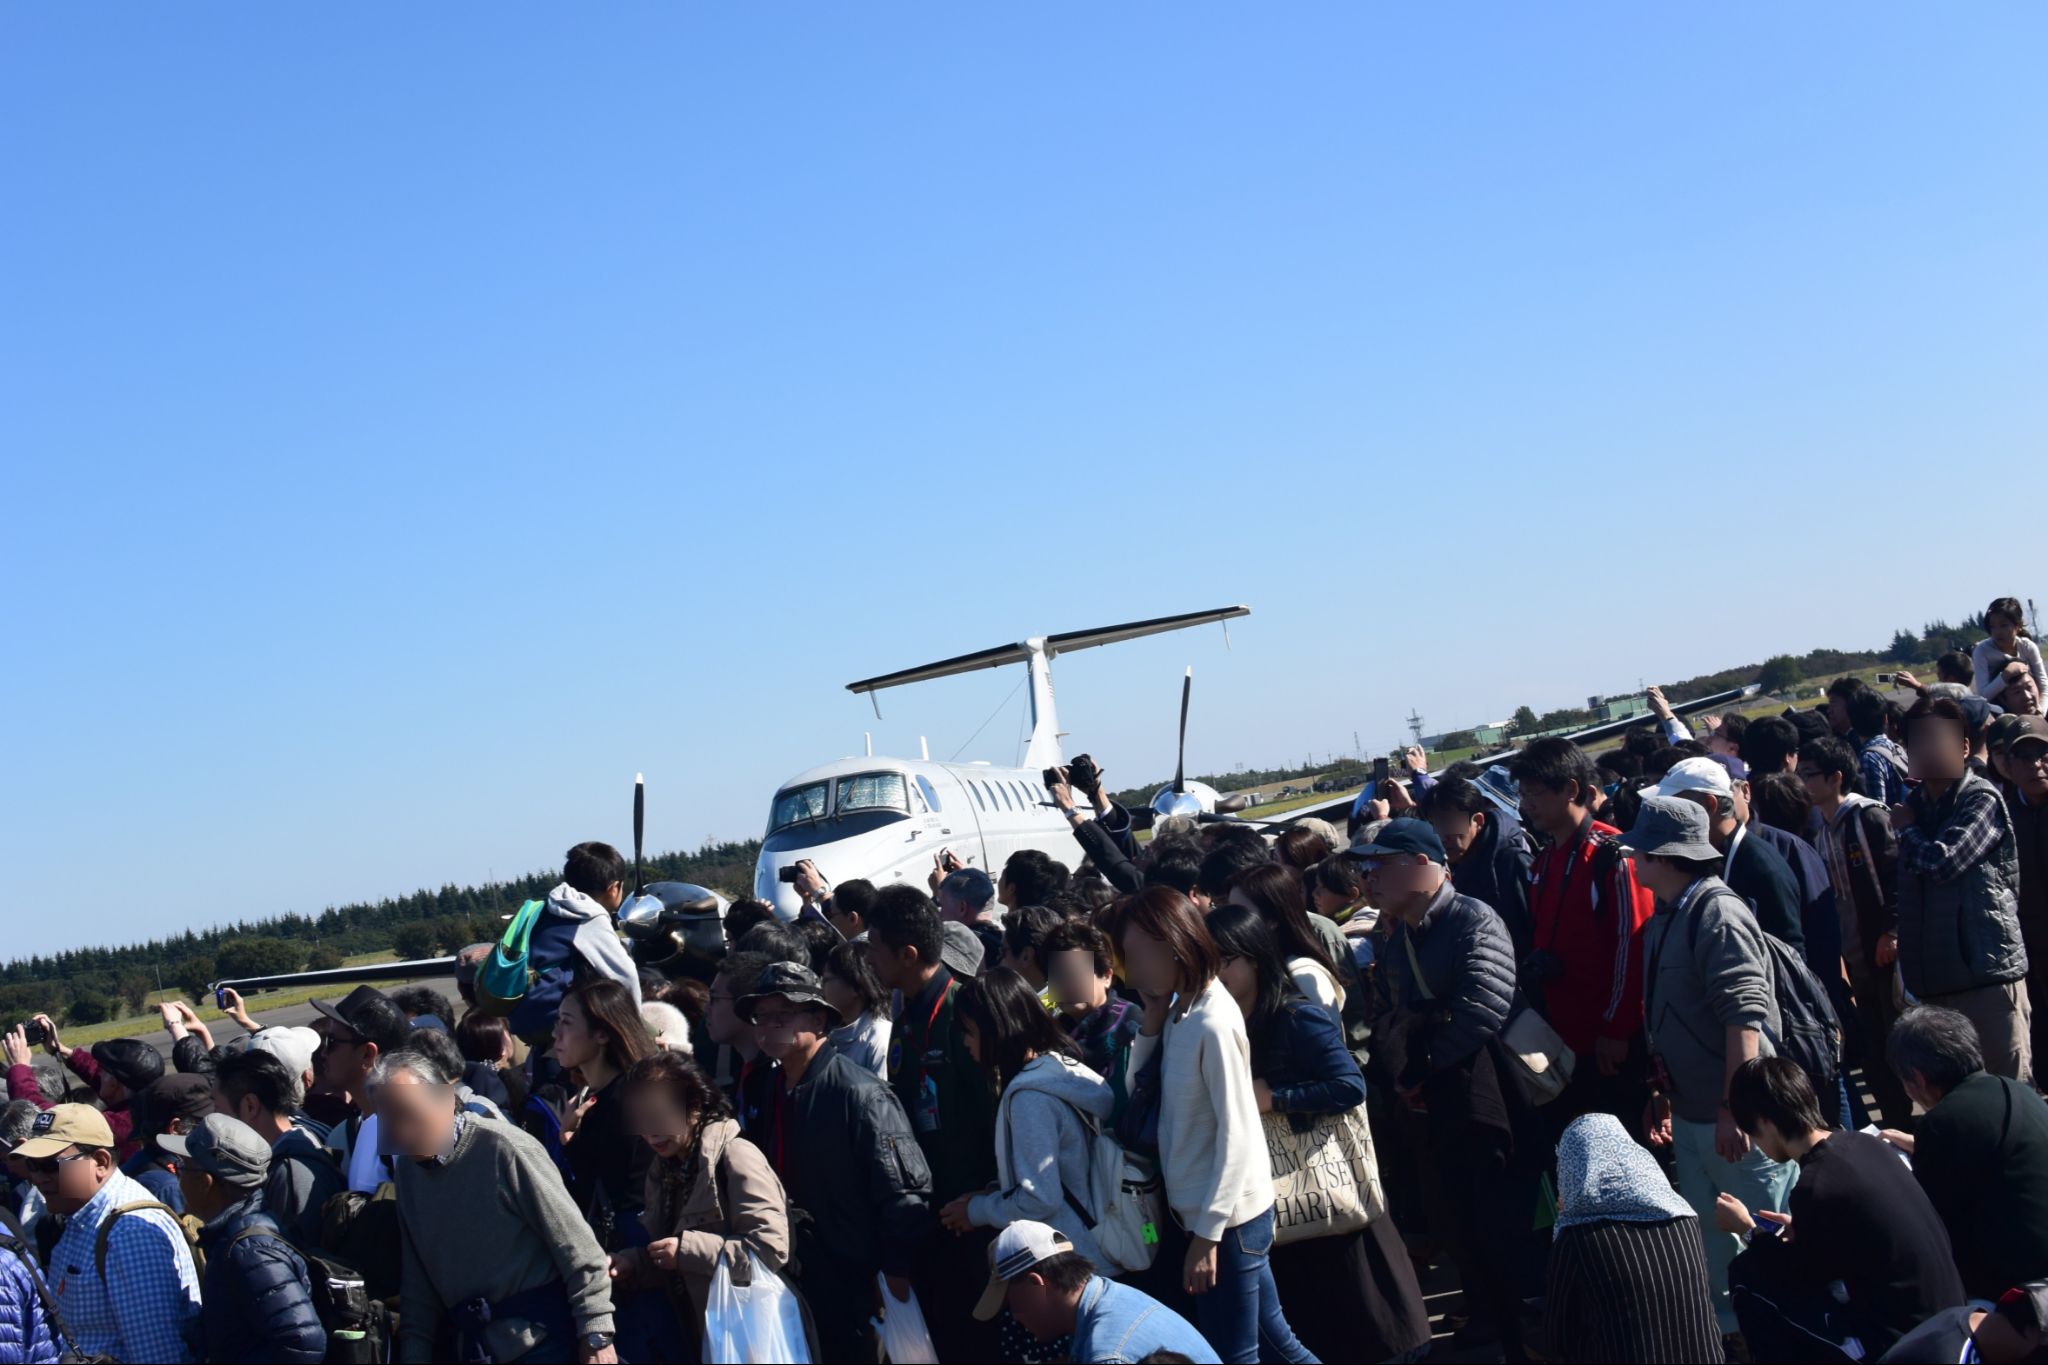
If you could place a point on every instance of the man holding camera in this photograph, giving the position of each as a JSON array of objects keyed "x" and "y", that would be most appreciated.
[
  {"x": 1107, "y": 836},
  {"x": 118, "y": 1069}
]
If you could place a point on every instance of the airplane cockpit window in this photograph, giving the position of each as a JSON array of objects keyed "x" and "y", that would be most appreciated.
[
  {"x": 796, "y": 805},
  {"x": 872, "y": 791},
  {"x": 930, "y": 793}
]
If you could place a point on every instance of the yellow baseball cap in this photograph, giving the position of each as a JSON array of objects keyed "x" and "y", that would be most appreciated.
[{"x": 65, "y": 1125}]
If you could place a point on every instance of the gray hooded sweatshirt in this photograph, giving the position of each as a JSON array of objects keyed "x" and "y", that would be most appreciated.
[
  {"x": 597, "y": 941},
  {"x": 1044, "y": 1150}
]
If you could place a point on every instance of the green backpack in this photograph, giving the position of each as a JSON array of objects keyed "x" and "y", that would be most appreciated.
[{"x": 502, "y": 978}]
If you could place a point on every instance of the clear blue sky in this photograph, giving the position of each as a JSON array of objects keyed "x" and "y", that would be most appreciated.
[{"x": 418, "y": 419}]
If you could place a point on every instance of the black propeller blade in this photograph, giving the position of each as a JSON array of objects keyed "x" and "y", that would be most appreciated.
[
  {"x": 1187, "y": 684},
  {"x": 639, "y": 828}
]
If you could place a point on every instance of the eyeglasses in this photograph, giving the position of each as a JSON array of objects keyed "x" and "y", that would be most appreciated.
[
  {"x": 47, "y": 1165},
  {"x": 1811, "y": 775},
  {"x": 762, "y": 1021}
]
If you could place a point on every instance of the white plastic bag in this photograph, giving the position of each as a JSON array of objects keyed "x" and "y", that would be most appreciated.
[
  {"x": 748, "y": 1323},
  {"x": 905, "y": 1339}
]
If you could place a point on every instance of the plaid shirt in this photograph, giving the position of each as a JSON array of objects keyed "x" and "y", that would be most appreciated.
[
  {"x": 1883, "y": 779},
  {"x": 1949, "y": 837},
  {"x": 148, "y": 1306}
]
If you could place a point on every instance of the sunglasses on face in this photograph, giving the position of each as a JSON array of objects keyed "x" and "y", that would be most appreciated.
[{"x": 49, "y": 1165}]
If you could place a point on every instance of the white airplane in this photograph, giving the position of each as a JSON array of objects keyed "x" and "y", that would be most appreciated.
[{"x": 885, "y": 819}]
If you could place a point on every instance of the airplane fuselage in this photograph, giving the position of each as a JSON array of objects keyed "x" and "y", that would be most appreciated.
[{"x": 886, "y": 819}]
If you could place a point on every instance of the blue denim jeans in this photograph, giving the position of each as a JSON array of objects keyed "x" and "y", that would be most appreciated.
[{"x": 1241, "y": 1315}]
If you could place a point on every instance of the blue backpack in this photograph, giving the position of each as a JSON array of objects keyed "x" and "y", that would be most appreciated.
[{"x": 503, "y": 978}]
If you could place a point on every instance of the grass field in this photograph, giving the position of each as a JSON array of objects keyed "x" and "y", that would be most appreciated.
[{"x": 137, "y": 1025}]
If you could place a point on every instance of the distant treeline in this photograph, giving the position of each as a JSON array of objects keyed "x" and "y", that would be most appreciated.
[{"x": 87, "y": 985}]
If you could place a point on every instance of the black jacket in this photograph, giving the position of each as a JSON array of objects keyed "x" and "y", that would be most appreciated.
[
  {"x": 1760, "y": 875},
  {"x": 1863, "y": 1223},
  {"x": 258, "y": 1296},
  {"x": 1467, "y": 992},
  {"x": 1981, "y": 1154},
  {"x": 1496, "y": 873},
  {"x": 1109, "y": 857},
  {"x": 855, "y": 1174}
]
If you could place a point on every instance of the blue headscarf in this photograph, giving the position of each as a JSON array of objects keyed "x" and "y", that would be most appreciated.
[{"x": 1604, "y": 1176}]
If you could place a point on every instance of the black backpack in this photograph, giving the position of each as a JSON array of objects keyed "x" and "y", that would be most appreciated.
[
  {"x": 358, "y": 1327},
  {"x": 1809, "y": 1032}
]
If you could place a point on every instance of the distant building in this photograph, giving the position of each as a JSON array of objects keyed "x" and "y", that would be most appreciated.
[{"x": 1618, "y": 708}]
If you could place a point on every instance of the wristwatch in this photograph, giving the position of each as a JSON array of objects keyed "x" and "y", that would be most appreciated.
[{"x": 596, "y": 1341}]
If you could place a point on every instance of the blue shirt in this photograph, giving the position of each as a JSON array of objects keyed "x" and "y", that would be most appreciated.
[
  {"x": 148, "y": 1306},
  {"x": 1117, "y": 1323}
]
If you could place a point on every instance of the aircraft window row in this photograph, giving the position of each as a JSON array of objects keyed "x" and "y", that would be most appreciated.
[{"x": 998, "y": 794}]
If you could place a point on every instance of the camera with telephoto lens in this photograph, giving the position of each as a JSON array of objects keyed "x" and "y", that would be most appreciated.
[
  {"x": 35, "y": 1033},
  {"x": 787, "y": 876}
]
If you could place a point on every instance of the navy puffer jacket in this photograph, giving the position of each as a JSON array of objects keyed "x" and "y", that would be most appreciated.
[
  {"x": 1464, "y": 999},
  {"x": 258, "y": 1295},
  {"x": 26, "y": 1333}
]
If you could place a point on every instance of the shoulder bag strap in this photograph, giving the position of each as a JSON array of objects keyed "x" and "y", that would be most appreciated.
[
  {"x": 56, "y": 1315},
  {"x": 105, "y": 1232},
  {"x": 1415, "y": 963}
]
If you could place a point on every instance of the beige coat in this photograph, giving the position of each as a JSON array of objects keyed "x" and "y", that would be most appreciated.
[{"x": 734, "y": 1204}]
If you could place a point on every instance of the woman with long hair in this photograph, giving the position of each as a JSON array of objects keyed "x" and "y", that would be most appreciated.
[
  {"x": 1354, "y": 1294},
  {"x": 709, "y": 1192},
  {"x": 1044, "y": 1143},
  {"x": 1212, "y": 1146},
  {"x": 600, "y": 1037},
  {"x": 1314, "y": 952}
]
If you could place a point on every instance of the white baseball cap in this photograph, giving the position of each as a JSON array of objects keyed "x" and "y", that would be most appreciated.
[
  {"x": 1694, "y": 775},
  {"x": 1015, "y": 1250},
  {"x": 291, "y": 1045}
]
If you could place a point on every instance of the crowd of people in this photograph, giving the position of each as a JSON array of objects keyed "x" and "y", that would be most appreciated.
[{"x": 1711, "y": 1046}]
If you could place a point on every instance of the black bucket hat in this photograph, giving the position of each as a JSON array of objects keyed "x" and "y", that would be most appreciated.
[{"x": 792, "y": 981}]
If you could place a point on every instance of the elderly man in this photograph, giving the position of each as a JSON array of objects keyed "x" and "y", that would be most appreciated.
[
  {"x": 258, "y": 1294},
  {"x": 1980, "y": 1151},
  {"x": 2022, "y": 694},
  {"x": 967, "y": 896},
  {"x": 499, "y": 1264},
  {"x": 120, "y": 1267}
]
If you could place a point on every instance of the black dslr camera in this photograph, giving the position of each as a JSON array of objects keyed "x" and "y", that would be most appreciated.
[{"x": 35, "y": 1033}]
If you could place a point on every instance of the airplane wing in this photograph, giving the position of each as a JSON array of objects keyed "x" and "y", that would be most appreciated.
[{"x": 1019, "y": 653}]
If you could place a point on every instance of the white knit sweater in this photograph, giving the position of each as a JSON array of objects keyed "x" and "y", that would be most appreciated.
[{"x": 1212, "y": 1147}]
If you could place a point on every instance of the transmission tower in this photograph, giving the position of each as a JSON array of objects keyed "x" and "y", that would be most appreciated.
[{"x": 1415, "y": 725}]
